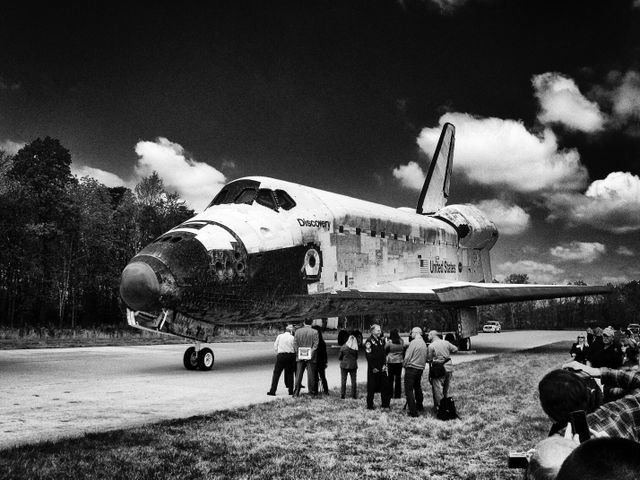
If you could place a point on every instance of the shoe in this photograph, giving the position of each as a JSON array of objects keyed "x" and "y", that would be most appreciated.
[
  {"x": 370, "y": 407},
  {"x": 290, "y": 392},
  {"x": 413, "y": 415},
  {"x": 271, "y": 394},
  {"x": 342, "y": 397}
]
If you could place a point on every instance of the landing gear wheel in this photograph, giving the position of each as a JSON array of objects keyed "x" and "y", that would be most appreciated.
[
  {"x": 465, "y": 344},
  {"x": 190, "y": 358},
  {"x": 205, "y": 359}
]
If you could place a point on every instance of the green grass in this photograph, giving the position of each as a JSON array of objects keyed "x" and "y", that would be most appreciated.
[{"x": 326, "y": 438}]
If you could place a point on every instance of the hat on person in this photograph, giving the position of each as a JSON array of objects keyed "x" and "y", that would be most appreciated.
[
  {"x": 609, "y": 332},
  {"x": 416, "y": 330},
  {"x": 290, "y": 328}
]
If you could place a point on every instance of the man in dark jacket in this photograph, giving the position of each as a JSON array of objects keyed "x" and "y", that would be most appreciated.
[
  {"x": 377, "y": 380},
  {"x": 610, "y": 355},
  {"x": 306, "y": 345}
]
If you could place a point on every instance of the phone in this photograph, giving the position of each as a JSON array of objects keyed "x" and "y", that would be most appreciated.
[{"x": 579, "y": 425}]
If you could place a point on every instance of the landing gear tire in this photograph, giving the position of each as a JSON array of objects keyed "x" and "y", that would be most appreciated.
[
  {"x": 205, "y": 359},
  {"x": 465, "y": 344},
  {"x": 190, "y": 358}
]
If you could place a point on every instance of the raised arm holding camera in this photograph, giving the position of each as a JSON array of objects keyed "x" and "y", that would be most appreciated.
[{"x": 563, "y": 391}]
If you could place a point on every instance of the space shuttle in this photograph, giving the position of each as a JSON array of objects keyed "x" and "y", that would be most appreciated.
[{"x": 267, "y": 250}]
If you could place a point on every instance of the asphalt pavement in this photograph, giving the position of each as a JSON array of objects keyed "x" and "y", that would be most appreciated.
[{"x": 47, "y": 394}]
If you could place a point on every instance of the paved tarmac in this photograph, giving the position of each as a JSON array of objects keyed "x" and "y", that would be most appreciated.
[{"x": 47, "y": 394}]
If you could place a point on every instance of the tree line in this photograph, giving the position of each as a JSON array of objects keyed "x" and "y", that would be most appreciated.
[{"x": 65, "y": 241}]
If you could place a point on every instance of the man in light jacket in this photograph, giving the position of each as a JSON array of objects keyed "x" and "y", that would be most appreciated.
[
  {"x": 305, "y": 344},
  {"x": 415, "y": 359}
]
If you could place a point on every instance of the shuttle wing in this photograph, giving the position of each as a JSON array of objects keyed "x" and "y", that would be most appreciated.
[{"x": 435, "y": 291}]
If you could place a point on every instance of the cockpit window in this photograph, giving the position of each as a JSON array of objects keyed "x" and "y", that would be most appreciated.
[
  {"x": 231, "y": 191},
  {"x": 248, "y": 195},
  {"x": 265, "y": 198},
  {"x": 248, "y": 191},
  {"x": 220, "y": 197},
  {"x": 284, "y": 200}
]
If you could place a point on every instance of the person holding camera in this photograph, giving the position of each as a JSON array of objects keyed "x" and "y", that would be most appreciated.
[
  {"x": 395, "y": 355},
  {"x": 562, "y": 391}
]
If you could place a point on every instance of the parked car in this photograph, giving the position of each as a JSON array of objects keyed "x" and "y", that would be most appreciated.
[{"x": 492, "y": 327}]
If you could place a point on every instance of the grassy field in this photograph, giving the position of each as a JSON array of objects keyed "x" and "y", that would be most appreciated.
[{"x": 324, "y": 438}]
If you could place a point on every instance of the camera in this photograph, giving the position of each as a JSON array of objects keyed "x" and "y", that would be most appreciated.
[{"x": 518, "y": 460}]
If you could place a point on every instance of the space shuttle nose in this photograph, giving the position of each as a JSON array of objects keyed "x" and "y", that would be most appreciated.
[{"x": 139, "y": 287}]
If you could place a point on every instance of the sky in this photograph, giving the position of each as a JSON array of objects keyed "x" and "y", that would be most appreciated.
[{"x": 349, "y": 97}]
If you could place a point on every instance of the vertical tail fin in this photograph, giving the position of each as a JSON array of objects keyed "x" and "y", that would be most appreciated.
[{"x": 436, "y": 186}]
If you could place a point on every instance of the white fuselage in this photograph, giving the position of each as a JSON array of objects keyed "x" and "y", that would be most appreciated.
[{"x": 361, "y": 243}]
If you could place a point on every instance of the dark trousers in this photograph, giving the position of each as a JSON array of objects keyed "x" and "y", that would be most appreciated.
[
  {"x": 343, "y": 382},
  {"x": 378, "y": 382},
  {"x": 322, "y": 378},
  {"x": 413, "y": 389},
  {"x": 310, "y": 367},
  {"x": 286, "y": 362},
  {"x": 395, "y": 378}
]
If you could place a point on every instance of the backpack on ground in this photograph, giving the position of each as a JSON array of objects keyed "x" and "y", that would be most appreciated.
[{"x": 447, "y": 409}]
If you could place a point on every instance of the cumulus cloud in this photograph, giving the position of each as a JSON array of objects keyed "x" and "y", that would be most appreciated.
[
  {"x": 626, "y": 96},
  {"x": 11, "y": 147},
  {"x": 611, "y": 204},
  {"x": 196, "y": 182},
  {"x": 496, "y": 152},
  {"x": 410, "y": 175},
  {"x": 625, "y": 251},
  {"x": 106, "y": 178},
  {"x": 561, "y": 102},
  {"x": 583, "y": 252},
  {"x": 543, "y": 273},
  {"x": 510, "y": 219}
]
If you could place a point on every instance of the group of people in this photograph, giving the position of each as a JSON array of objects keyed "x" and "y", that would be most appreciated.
[
  {"x": 305, "y": 350},
  {"x": 603, "y": 380},
  {"x": 606, "y": 347},
  {"x": 298, "y": 351}
]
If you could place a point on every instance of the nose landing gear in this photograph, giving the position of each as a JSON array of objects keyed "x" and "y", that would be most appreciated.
[{"x": 196, "y": 358}]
